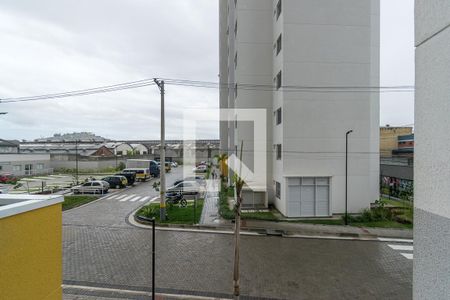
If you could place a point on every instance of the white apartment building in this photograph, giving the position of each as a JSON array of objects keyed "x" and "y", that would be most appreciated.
[{"x": 310, "y": 64}]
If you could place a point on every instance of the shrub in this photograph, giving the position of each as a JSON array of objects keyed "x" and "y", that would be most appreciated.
[
  {"x": 379, "y": 213},
  {"x": 224, "y": 209},
  {"x": 149, "y": 211}
]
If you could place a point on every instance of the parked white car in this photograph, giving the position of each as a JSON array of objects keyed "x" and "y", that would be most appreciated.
[
  {"x": 92, "y": 187},
  {"x": 200, "y": 169}
]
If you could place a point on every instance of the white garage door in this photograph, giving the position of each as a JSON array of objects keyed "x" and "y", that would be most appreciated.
[{"x": 308, "y": 197}]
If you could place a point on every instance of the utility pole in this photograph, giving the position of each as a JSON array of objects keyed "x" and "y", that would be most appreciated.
[
  {"x": 346, "y": 174},
  {"x": 76, "y": 160},
  {"x": 162, "y": 156}
]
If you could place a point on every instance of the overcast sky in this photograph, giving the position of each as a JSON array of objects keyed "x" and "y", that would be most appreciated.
[{"x": 55, "y": 46}]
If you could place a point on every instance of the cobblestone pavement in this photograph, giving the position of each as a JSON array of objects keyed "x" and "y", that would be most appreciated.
[{"x": 102, "y": 251}]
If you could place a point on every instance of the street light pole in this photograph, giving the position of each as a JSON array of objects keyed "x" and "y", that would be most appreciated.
[
  {"x": 346, "y": 174},
  {"x": 76, "y": 159},
  {"x": 162, "y": 156}
]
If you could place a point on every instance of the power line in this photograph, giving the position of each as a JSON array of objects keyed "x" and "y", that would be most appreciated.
[
  {"x": 84, "y": 92},
  {"x": 214, "y": 85}
]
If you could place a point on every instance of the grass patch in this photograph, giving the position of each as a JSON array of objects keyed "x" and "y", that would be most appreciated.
[
  {"x": 75, "y": 201},
  {"x": 372, "y": 224},
  {"x": 262, "y": 216},
  {"x": 321, "y": 222},
  {"x": 175, "y": 213}
]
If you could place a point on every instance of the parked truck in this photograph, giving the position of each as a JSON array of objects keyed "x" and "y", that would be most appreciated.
[{"x": 151, "y": 165}]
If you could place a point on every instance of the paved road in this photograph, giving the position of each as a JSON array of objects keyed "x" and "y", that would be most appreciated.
[{"x": 103, "y": 252}]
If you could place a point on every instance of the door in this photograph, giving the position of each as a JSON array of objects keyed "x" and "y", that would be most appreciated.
[
  {"x": 308, "y": 197},
  {"x": 28, "y": 169}
]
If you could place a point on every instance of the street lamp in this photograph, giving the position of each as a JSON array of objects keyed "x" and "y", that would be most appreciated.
[{"x": 346, "y": 174}]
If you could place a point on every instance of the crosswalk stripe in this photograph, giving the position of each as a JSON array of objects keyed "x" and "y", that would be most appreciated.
[
  {"x": 135, "y": 199},
  {"x": 407, "y": 255},
  {"x": 144, "y": 199},
  {"x": 127, "y": 198},
  {"x": 395, "y": 240},
  {"x": 121, "y": 196},
  {"x": 401, "y": 247},
  {"x": 113, "y": 197}
]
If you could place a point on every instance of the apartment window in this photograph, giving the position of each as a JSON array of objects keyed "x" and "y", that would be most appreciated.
[
  {"x": 278, "y": 116},
  {"x": 235, "y": 28},
  {"x": 40, "y": 166},
  {"x": 278, "y": 151},
  {"x": 279, "y": 44},
  {"x": 278, "y": 80},
  {"x": 278, "y": 9},
  {"x": 235, "y": 60},
  {"x": 235, "y": 90},
  {"x": 277, "y": 189}
]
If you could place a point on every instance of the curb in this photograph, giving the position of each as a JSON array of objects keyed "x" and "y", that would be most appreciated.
[{"x": 133, "y": 220}]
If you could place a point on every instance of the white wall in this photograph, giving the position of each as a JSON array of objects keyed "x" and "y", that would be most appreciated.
[
  {"x": 332, "y": 43},
  {"x": 432, "y": 151}
]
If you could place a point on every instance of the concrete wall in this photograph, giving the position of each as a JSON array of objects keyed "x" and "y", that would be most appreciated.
[
  {"x": 31, "y": 255},
  {"x": 432, "y": 151}
]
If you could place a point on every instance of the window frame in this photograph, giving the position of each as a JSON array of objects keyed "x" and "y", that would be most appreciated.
[
  {"x": 279, "y": 80},
  {"x": 279, "y": 44},
  {"x": 279, "y": 150},
  {"x": 278, "y": 116},
  {"x": 278, "y": 9},
  {"x": 277, "y": 189}
]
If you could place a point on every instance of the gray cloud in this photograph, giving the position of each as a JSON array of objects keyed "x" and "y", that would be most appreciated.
[{"x": 54, "y": 46}]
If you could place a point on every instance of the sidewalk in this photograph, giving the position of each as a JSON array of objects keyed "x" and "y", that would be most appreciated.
[
  {"x": 326, "y": 230},
  {"x": 210, "y": 213}
]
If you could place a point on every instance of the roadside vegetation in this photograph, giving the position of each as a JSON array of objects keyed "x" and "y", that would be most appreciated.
[
  {"x": 385, "y": 214},
  {"x": 76, "y": 200},
  {"x": 176, "y": 214}
]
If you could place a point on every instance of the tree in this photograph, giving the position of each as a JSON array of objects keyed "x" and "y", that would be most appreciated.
[
  {"x": 238, "y": 185},
  {"x": 222, "y": 160}
]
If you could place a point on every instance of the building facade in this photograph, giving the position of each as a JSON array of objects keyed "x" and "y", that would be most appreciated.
[
  {"x": 294, "y": 59},
  {"x": 25, "y": 164},
  {"x": 9, "y": 147},
  {"x": 431, "y": 278}
]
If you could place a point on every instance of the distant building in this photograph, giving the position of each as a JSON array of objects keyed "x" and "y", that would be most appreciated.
[
  {"x": 140, "y": 149},
  {"x": 25, "y": 164},
  {"x": 389, "y": 138},
  {"x": 8, "y": 147},
  {"x": 119, "y": 148},
  {"x": 69, "y": 148},
  {"x": 72, "y": 137},
  {"x": 405, "y": 146}
]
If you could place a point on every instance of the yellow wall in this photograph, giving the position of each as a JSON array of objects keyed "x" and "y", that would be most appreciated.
[
  {"x": 31, "y": 255},
  {"x": 389, "y": 138}
]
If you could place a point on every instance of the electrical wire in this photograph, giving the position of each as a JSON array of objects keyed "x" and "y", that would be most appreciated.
[{"x": 214, "y": 85}]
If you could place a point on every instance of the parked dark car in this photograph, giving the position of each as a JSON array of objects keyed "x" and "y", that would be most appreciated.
[
  {"x": 116, "y": 181},
  {"x": 131, "y": 177}
]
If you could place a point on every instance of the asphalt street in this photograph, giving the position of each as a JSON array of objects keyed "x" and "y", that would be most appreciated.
[{"x": 105, "y": 257}]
